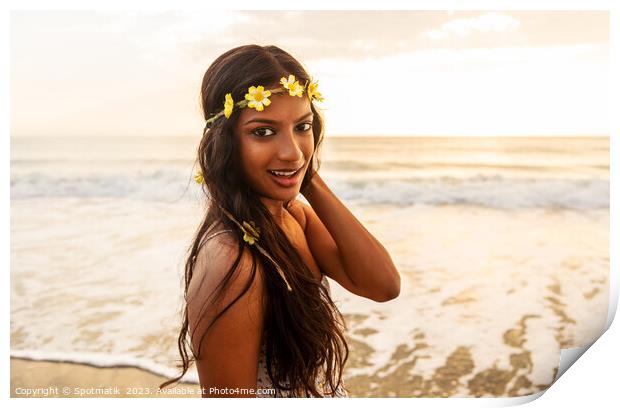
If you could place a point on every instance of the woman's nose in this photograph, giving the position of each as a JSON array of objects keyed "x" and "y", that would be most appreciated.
[{"x": 289, "y": 148}]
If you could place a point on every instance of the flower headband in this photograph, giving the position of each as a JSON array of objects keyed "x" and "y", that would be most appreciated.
[{"x": 257, "y": 97}]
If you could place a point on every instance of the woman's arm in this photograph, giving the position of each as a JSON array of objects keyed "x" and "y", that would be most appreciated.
[
  {"x": 344, "y": 249},
  {"x": 230, "y": 349}
]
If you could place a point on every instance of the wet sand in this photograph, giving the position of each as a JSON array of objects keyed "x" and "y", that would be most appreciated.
[
  {"x": 396, "y": 378},
  {"x": 488, "y": 314},
  {"x": 482, "y": 313},
  {"x": 50, "y": 379},
  {"x": 56, "y": 379}
]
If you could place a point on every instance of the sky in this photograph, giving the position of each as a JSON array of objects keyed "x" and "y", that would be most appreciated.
[{"x": 420, "y": 73}]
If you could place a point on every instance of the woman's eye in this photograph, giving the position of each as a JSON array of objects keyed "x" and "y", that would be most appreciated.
[
  {"x": 306, "y": 126},
  {"x": 263, "y": 130},
  {"x": 260, "y": 132}
]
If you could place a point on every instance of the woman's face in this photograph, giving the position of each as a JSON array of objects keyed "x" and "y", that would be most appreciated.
[{"x": 277, "y": 139}]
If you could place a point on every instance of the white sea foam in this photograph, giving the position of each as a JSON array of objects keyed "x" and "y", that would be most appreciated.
[
  {"x": 506, "y": 173},
  {"x": 105, "y": 360},
  {"x": 494, "y": 192}
]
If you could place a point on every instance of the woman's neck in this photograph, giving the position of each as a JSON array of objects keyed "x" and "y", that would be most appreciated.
[{"x": 277, "y": 210}]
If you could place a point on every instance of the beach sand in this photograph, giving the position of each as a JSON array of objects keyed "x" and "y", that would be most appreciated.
[
  {"x": 73, "y": 380},
  {"x": 486, "y": 319},
  {"x": 50, "y": 378}
]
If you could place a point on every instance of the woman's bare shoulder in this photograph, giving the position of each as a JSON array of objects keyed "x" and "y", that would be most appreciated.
[
  {"x": 214, "y": 260},
  {"x": 228, "y": 349}
]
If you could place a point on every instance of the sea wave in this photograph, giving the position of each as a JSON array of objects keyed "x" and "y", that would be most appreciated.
[
  {"x": 487, "y": 191},
  {"x": 495, "y": 192}
]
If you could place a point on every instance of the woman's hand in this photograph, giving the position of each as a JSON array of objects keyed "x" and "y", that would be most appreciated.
[{"x": 312, "y": 179}]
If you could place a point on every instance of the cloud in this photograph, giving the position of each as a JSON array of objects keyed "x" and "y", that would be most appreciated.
[
  {"x": 485, "y": 23},
  {"x": 140, "y": 72},
  {"x": 509, "y": 90}
]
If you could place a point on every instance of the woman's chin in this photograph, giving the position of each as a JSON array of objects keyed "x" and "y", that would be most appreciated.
[{"x": 289, "y": 195}]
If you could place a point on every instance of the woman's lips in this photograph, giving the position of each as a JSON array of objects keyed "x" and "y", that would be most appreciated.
[{"x": 284, "y": 181}]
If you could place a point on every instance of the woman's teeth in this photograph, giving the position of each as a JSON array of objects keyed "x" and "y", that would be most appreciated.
[{"x": 283, "y": 173}]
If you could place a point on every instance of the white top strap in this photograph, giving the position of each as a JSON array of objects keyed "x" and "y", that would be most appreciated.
[
  {"x": 216, "y": 234},
  {"x": 204, "y": 241}
]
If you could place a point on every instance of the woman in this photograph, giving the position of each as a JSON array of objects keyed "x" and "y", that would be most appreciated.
[{"x": 259, "y": 313}]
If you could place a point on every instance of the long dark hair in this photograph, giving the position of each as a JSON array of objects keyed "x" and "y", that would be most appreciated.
[{"x": 303, "y": 329}]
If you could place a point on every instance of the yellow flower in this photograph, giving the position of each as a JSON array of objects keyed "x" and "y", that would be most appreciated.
[
  {"x": 258, "y": 97},
  {"x": 313, "y": 93},
  {"x": 251, "y": 232},
  {"x": 228, "y": 105},
  {"x": 294, "y": 89},
  {"x": 199, "y": 178}
]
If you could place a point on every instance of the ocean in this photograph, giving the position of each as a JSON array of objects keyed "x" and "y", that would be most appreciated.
[{"x": 502, "y": 245}]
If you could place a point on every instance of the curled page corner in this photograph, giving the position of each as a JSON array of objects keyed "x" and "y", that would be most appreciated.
[{"x": 568, "y": 356}]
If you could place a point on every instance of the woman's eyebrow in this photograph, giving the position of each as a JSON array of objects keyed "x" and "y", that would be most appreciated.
[{"x": 275, "y": 121}]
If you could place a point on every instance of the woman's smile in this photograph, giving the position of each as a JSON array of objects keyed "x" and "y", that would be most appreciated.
[{"x": 286, "y": 179}]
